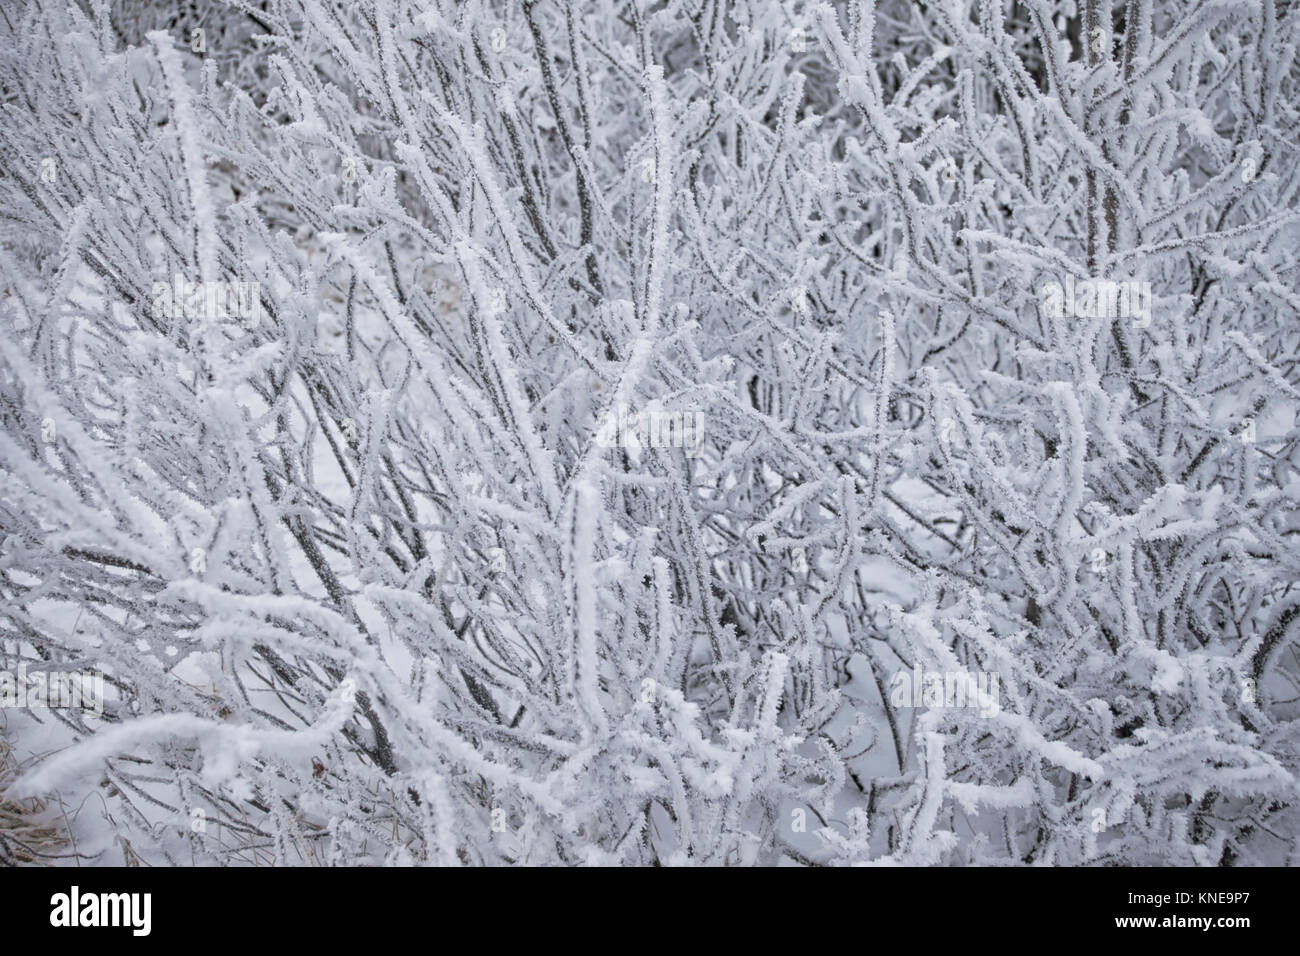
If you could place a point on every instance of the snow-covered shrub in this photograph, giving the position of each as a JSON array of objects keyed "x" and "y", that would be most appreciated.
[{"x": 316, "y": 322}]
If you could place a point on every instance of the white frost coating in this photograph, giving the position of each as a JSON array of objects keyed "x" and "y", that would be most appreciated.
[
  {"x": 224, "y": 747},
  {"x": 192, "y": 153},
  {"x": 926, "y": 562}
]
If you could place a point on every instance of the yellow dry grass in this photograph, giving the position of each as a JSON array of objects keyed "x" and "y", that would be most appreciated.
[{"x": 29, "y": 831}]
